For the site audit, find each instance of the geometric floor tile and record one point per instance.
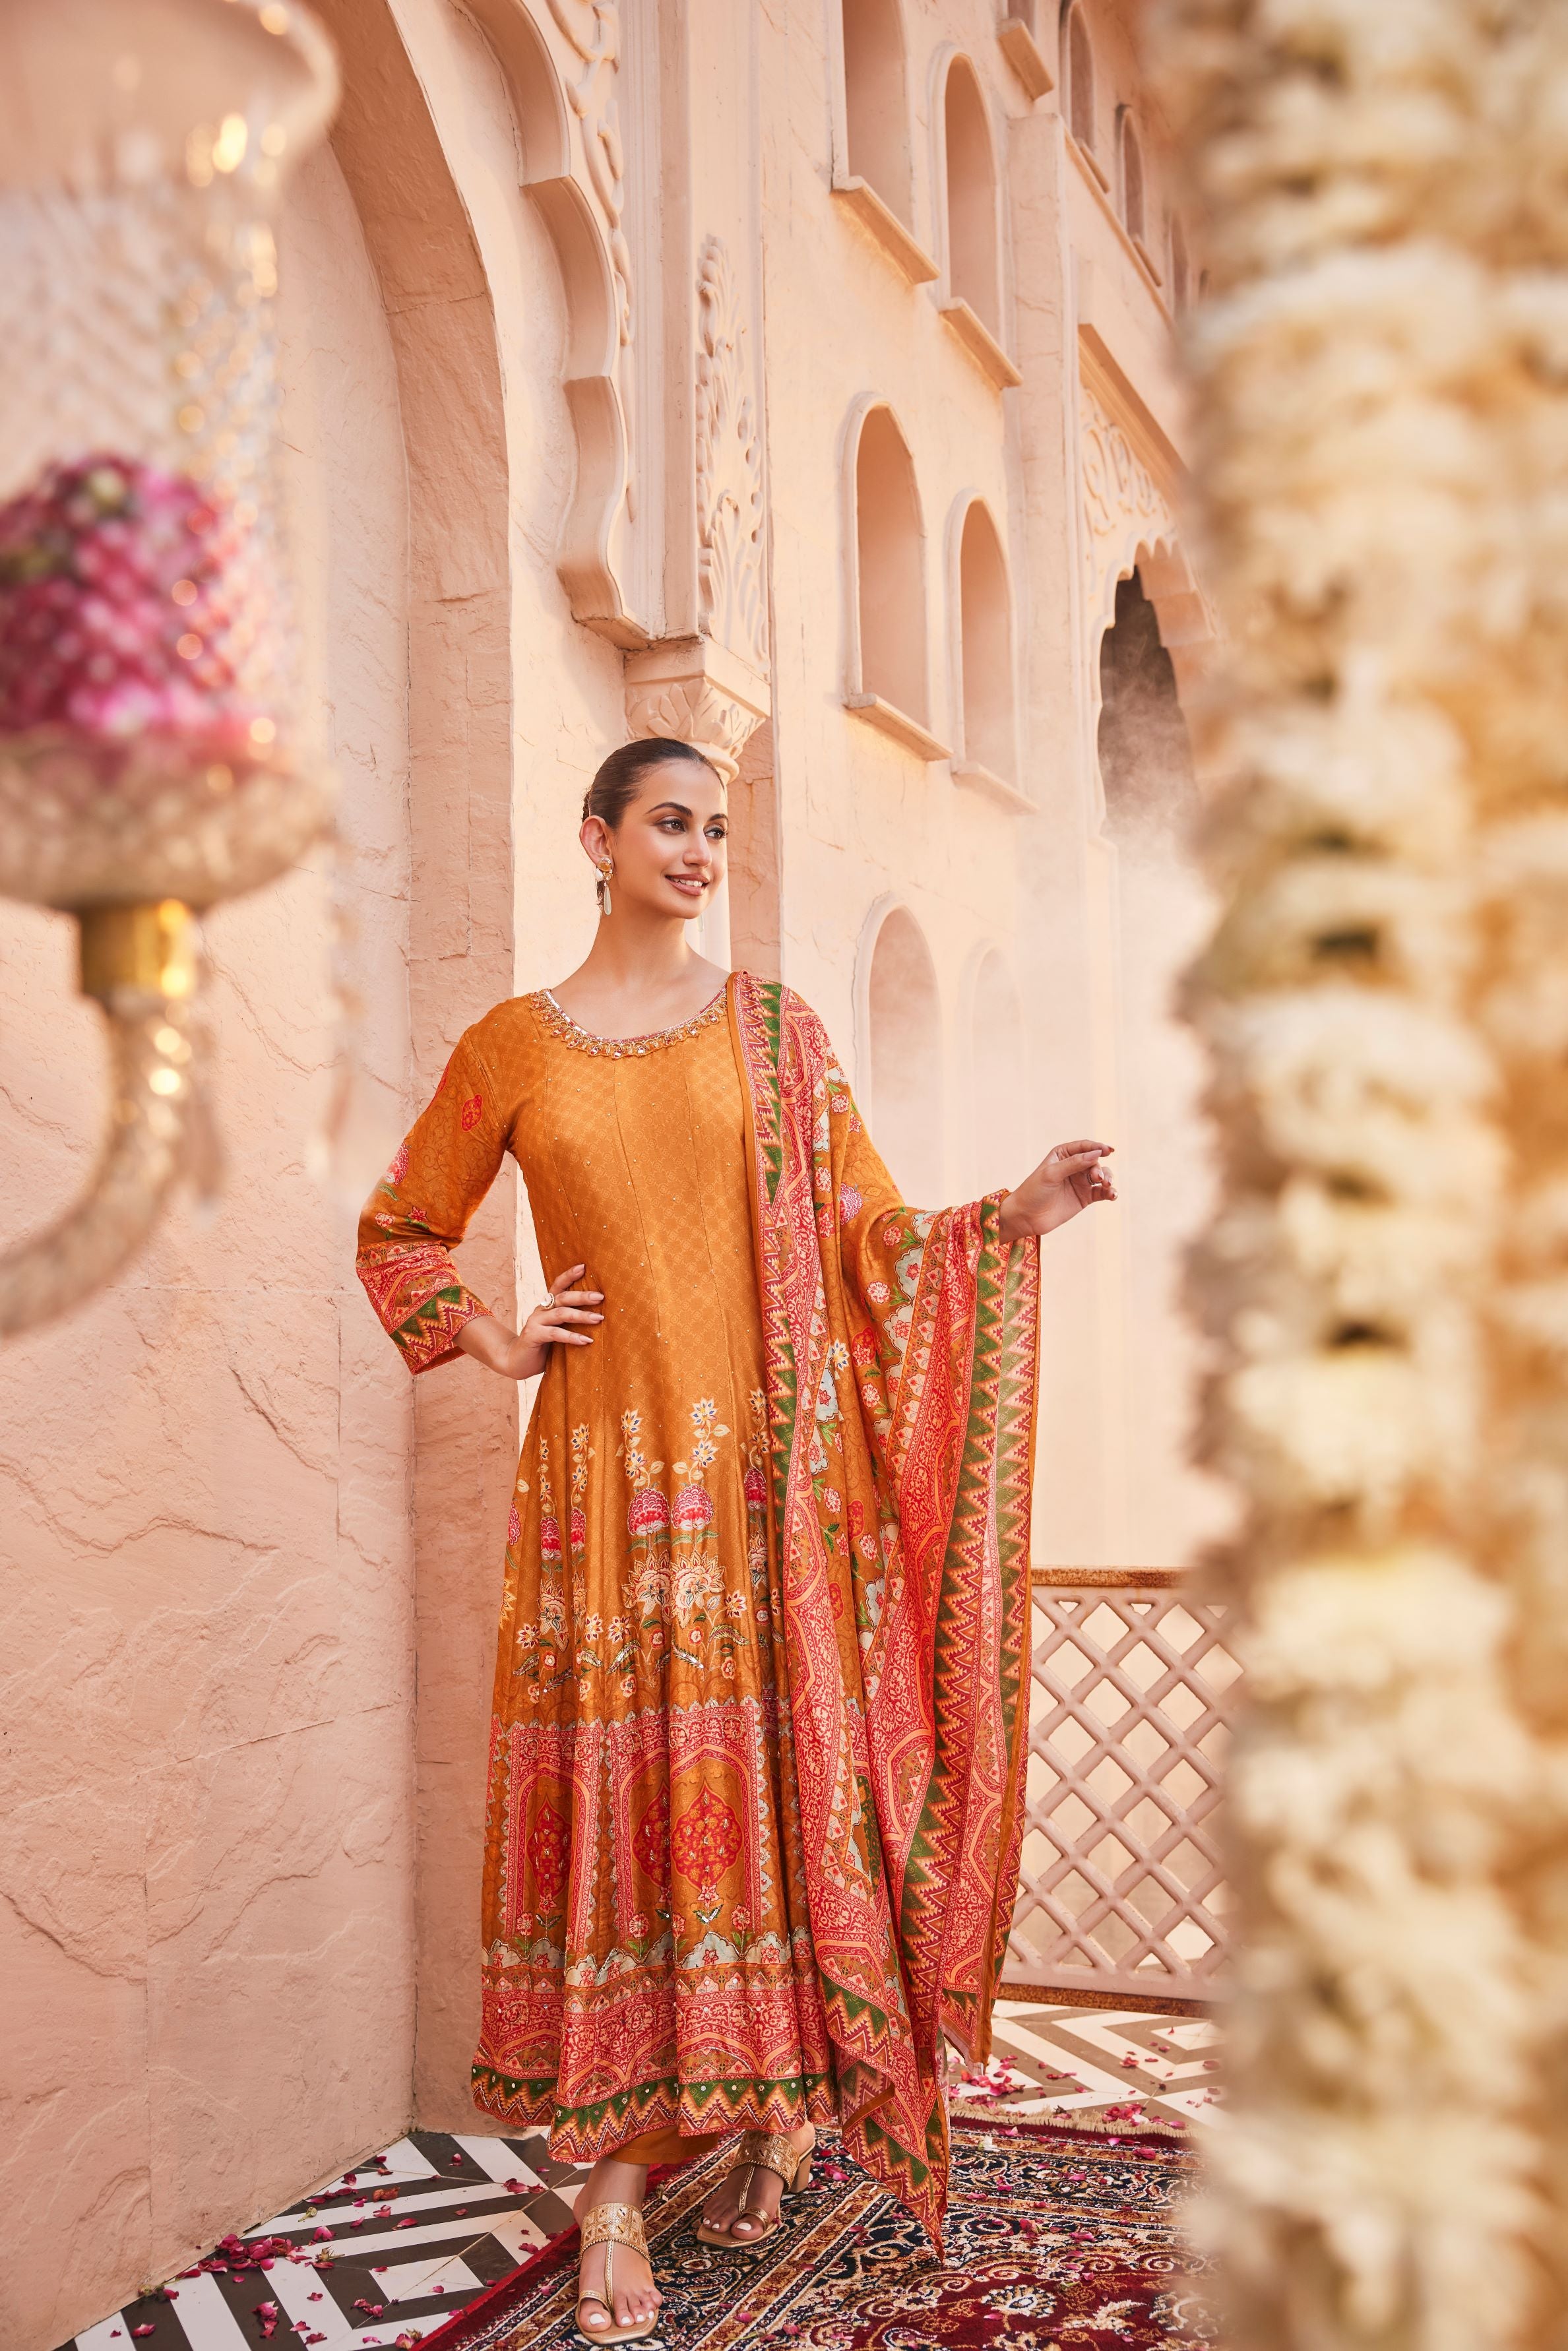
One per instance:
(389, 2253)
(1097, 2065)
(384, 2255)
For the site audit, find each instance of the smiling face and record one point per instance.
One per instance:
(669, 849)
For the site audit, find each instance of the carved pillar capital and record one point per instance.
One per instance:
(696, 691)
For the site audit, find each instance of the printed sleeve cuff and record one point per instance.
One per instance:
(429, 1335)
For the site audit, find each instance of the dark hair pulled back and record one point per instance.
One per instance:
(619, 779)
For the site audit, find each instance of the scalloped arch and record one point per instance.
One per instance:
(1187, 628)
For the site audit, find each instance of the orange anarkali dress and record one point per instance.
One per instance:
(759, 1703)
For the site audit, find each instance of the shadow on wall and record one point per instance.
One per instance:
(1164, 1151)
(1145, 753)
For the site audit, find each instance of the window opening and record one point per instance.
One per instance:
(985, 647)
(1132, 179)
(973, 272)
(891, 551)
(875, 113)
(1078, 67)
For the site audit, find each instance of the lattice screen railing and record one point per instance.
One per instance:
(1121, 1897)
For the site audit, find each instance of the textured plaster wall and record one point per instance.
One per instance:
(207, 1564)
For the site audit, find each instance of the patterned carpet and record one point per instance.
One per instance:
(1056, 2237)
(392, 2252)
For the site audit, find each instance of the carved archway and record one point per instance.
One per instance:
(442, 324)
(562, 78)
(1129, 524)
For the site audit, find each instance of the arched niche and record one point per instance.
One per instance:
(997, 1075)
(885, 535)
(969, 181)
(1132, 178)
(1077, 70)
(877, 102)
(983, 649)
(901, 1059)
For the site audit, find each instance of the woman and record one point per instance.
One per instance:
(760, 1696)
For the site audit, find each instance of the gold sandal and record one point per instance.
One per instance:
(763, 2151)
(610, 2225)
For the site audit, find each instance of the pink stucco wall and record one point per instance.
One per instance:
(207, 1562)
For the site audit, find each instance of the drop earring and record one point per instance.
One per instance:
(602, 886)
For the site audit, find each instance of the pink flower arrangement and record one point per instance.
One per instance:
(121, 619)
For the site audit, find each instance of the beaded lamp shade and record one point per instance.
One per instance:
(155, 755)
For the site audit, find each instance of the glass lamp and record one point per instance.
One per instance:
(155, 756)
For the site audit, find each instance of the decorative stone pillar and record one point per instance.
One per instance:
(695, 690)
(705, 678)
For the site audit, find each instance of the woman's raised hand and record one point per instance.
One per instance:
(523, 1355)
(1070, 1177)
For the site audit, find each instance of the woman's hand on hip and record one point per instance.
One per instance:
(1070, 1177)
(554, 1322)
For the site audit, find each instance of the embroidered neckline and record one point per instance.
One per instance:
(561, 1025)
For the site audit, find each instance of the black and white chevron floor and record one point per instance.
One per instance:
(382, 2256)
(391, 2251)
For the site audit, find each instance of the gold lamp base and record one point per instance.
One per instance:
(148, 949)
(139, 963)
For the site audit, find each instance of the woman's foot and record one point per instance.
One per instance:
(631, 2298)
(760, 2190)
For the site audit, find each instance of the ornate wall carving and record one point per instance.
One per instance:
(693, 709)
(591, 28)
(711, 688)
(560, 60)
(1120, 493)
(1129, 518)
(732, 589)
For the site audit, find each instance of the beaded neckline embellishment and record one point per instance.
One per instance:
(561, 1025)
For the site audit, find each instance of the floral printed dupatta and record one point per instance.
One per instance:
(901, 1355)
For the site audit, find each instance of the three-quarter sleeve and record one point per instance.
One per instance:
(423, 1207)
